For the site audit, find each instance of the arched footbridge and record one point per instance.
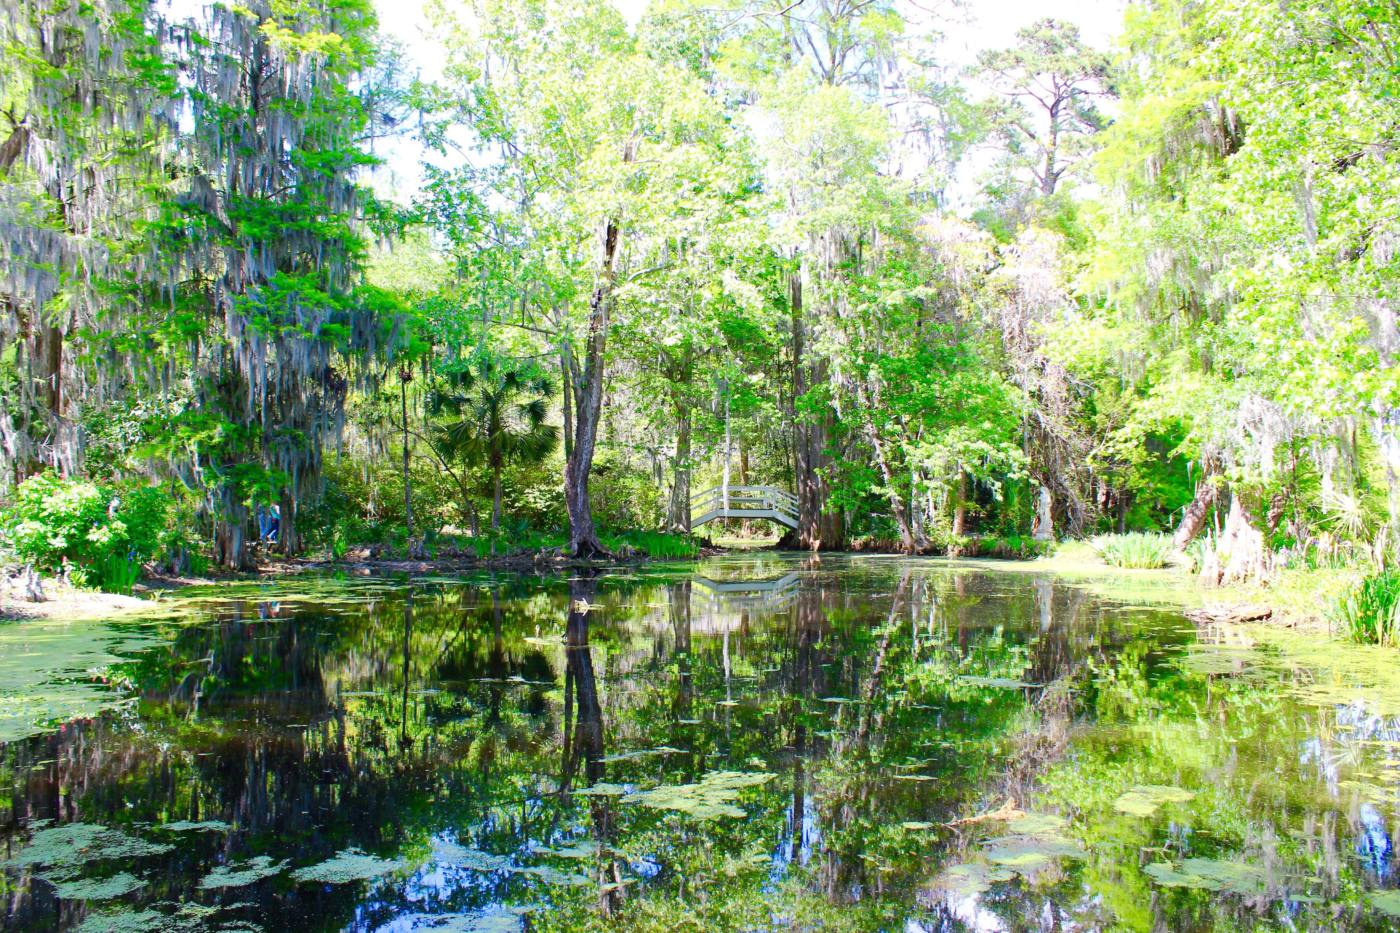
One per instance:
(744, 502)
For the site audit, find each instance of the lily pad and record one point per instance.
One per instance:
(1147, 799)
(347, 866)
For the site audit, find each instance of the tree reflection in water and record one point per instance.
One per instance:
(453, 729)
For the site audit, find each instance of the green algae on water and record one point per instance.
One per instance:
(242, 873)
(1210, 875)
(1025, 853)
(96, 889)
(491, 920)
(349, 865)
(188, 918)
(1147, 799)
(601, 789)
(707, 799)
(970, 878)
(73, 845)
(999, 683)
(1387, 902)
(202, 826)
(461, 856)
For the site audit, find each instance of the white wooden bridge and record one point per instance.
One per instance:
(744, 502)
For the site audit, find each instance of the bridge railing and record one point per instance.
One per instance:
(742, 497)
(744, 502)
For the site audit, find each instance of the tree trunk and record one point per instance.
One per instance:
(816, 528)
(1043, 529)
(230, 540)
(1240, 555)
(588, 407)
(495, 497)
(892, 493)
(1193, 518)
(407, 486)
(288, 537)
(678, 512)
(960, 505)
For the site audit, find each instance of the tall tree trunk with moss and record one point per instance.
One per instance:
(678, 510)
(404, 378)
(960, 504)
(817, 527)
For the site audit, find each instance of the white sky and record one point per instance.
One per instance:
(980, 24)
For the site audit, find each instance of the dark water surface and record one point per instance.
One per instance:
(757, 743)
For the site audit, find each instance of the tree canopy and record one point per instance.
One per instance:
(1058, 289)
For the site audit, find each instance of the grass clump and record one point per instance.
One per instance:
(1134, 551)
(659, 545)
(1369, 612)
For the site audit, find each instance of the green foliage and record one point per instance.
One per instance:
(625, 495)
(104, 533)
(654, 544)
(1136, 550)
(1008, 547)
(1369, 612)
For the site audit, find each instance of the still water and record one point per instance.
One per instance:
(751, 743)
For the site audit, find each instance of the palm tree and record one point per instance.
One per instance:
(495, 410)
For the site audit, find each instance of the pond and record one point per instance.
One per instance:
(757, 742)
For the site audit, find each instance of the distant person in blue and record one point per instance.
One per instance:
(269, 522)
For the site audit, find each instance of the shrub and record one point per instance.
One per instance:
(1369, 611)
(102, 532)
(1135, 551)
